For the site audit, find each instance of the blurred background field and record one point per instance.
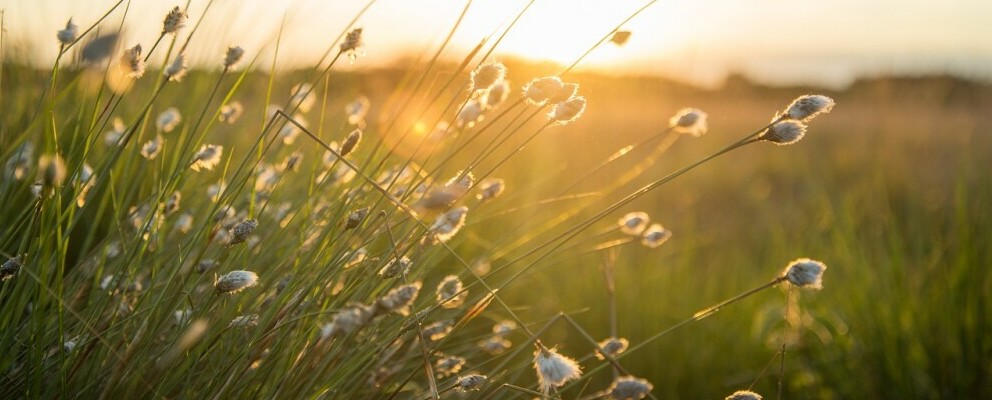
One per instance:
(891, 190)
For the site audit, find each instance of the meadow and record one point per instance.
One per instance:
(115, 286)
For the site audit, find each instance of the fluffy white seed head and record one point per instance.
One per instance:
(438, 330)
(448, 224)
(241, 231)
(655, 236)
(303, 96)
(449, 365)
(450, 293)
(208, 157)
(168, 119)
(230, 112)
(174, 21)
(504, 328)
(539, 90)
(10, 267)
(805, 273)
(496, 95)
(400, 299)
(177, 69)
(634, 223)
(470, 114)
(744, 395)
(236, 281)
(349, 319)
(356, 217)
(172, 203)
(357, 110)
(68, 35)
(690, 121)
(131, 62)
(567, 111)
(51, 167)
(490, 188)
(784, 132)
(804, 108)
(612, 346)
(629, 388)
(151, 148)
(233, 55)
(470, 382)
(19, 163)
(487, 75)
(495, 345)
(395, 267)
(352, 41)
(554, 369)
(350, 142)
(244, 321)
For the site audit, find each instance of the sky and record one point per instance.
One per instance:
(828, 43)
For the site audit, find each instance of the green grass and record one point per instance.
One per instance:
(890, 190)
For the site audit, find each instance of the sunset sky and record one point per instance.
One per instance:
(774, 41)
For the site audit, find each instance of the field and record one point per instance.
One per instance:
(116, 296)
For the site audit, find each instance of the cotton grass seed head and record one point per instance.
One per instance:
(539, 90)
(629, 388)
(174, 21)
(68, 35)
(151, 148)
(612, 346)
(805, 273)
(356, 217)
(487, 75)
(350, 142)
(349, 319)
(470, 382)
(784, 132)
(207, 158)
(495, 345)
(744, 395)
(244, 321)
(352, 42)
(634, 223)
(357, 109)
(232, 56)
(504, 328)
(395, 267)
(804, 108)
(438, 330)
(450, 293)
(470, 114)
(655, 236)
(554, 369)
(241, 231)
(51, 167)
(131, 62)
(177, 69)
(400, 299)
(568, 111)
(496, 95)
(168, 120)
(448, 224)
(236, 281)
(10, 267)
(490, 188)
(449, 365)
(690, 121)
(230, 112)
